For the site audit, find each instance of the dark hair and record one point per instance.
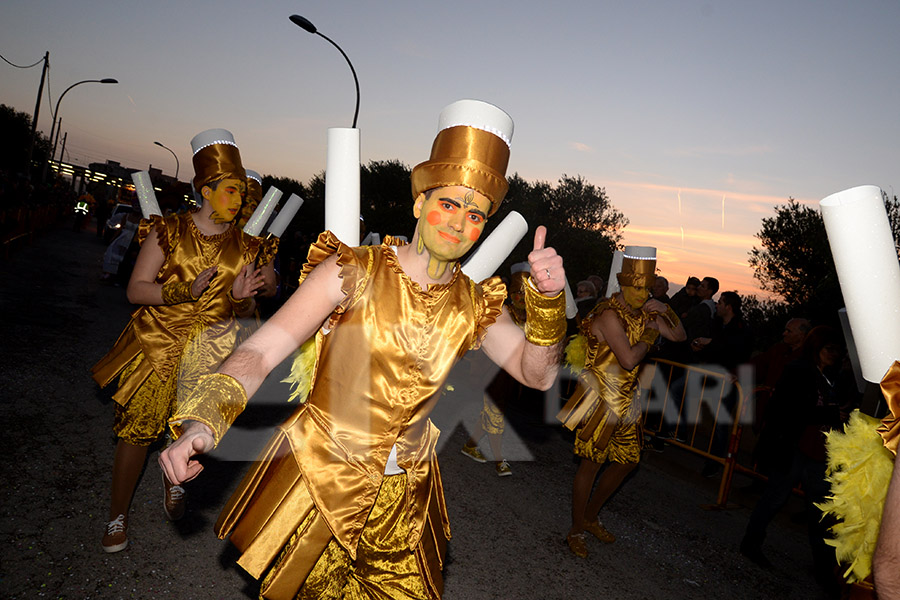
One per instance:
(712, 283)
(818, 338)
(733, 300)
(692, 281)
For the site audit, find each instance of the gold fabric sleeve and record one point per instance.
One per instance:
(890, 425)
(546, 317)
(216, 402)
(267, 251)
(176, 292)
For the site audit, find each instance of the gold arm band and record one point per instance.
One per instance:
(239, 306)
(216, 402)
(649, 336)
(545, 322)
(176, 292)
(671, 318)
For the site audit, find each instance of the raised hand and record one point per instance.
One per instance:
(546, 265)
(247, 282)
(202, 281)
(177, 461)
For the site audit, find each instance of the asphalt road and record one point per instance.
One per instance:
(58, 319)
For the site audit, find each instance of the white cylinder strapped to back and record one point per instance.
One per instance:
(147, 197)
(262, 213)
(285, 215)
(493, 251)
(866, 261)
(342, 184)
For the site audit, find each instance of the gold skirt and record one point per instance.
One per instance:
(142, 420)
(624, 444)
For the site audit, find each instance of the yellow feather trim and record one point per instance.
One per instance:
(302, 370)
(859, 470)
(576, 354)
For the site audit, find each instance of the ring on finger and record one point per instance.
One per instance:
(547, 271)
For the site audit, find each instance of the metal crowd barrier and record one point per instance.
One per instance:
(701, 408)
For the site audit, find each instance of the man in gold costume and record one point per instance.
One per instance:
(619, 331)
(346, 501)
(192, 277)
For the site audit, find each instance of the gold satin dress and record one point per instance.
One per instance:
(165, 349)
(617, 389)
(305, 515)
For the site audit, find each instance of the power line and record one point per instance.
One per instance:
(20, 66)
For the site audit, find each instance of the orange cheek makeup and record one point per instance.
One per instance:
(474, 234)
(433, 217)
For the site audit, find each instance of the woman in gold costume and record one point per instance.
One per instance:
(346, 501)
(193, 276)
(619, 331)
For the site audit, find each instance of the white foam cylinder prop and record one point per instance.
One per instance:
(262, 213)
(571, 307)
(866, 261)
(285, 215)
(612, 284)
(342, 184)
(494, 250)
(147, 197)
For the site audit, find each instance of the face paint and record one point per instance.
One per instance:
(226, 199)
(451, 220)
(635, 297)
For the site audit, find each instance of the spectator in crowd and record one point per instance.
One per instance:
(815, 394)
(599, 285)
(698, 322)
(660, 290)
(768, 368)
(585, 297)
(685, 298)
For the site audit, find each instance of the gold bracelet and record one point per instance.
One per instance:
(671, 318)
(545, 322)
(649, 336)
(239, 306)
(176, 292)
(216, 402)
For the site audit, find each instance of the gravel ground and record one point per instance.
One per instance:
(507, 532)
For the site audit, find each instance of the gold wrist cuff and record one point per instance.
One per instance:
(176, 292)
(649, 336)
(671, 318)
(545, 322)
(216, 402)
(239, 306)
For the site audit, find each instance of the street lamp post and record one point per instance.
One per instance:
(308, 26)
(56, 110)
(173, 154)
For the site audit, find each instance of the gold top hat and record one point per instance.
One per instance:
(638, 266)
(215, 157)
(471, 149)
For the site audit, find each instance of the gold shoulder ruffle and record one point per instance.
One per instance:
(390, 240)
(487, 297)
(159, 224)
(606, 304)
(268, 248)
(890, 426)
(355, 264)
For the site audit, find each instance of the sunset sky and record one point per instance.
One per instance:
(697, 117)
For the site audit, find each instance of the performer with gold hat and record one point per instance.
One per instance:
(619, 331)
(502, 387)
(192, 277)
(346, 500)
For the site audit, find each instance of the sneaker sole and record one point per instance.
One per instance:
(475, 458)
(115, 548)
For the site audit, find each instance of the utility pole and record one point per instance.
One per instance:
(37, 110)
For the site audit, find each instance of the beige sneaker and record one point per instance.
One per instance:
(173, 500)
(599, 531)
(115, 539)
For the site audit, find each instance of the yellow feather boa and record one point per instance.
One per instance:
(302, 370)
(576, 354)
(859, 470)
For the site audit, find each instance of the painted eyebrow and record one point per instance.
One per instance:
(458, 204)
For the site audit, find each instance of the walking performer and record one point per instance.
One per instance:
(346, 500)
(607, 422)
(192, 277)
(502, 388)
